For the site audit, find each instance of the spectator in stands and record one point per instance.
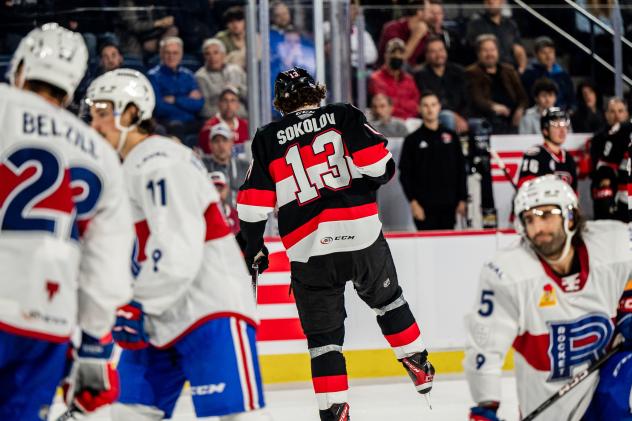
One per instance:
(178, 97)
(111, 57)
(222, 159)
(142, 26)
(228, 106)
(395, 82)
(550, 157)
(434, 17)
(234, 36)
(219, 180)
(432, 170)
(215, 75)
(588, 117)
(281, 18)
(447, 80)
(412, 29)
(616, 114)
(545, 65)
(382, 119)
(544, 92)
(494, 89)
(505, 30)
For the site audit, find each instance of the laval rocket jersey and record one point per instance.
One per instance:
(187, 263)
(310, 165)
(65, 223)
(557, 327)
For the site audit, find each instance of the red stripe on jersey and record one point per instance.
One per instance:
(142, 234)
(280, 330)
(368, 156)
(328, 215)
(405, 337)
(34, 335)
(578, 343)
(274, 294)
(246, 368)
(278, 262)
(60, 199)
(216, 224)
(330, 384)
(83, 226)
(256, 197)
(534, 349)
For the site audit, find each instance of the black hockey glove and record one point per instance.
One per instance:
(260, 259)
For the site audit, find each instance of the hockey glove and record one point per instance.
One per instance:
(129, 328)
(484, 413)
(261, 259)
(93, 381)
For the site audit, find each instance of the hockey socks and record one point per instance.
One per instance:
(399, 327)
(329, 374)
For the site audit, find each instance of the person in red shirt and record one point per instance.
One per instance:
(394, 82)
(413, 30)
(228, 106)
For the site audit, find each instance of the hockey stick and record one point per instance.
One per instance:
(255, 279)
(69, 414)
(502, 166)
(578, 378)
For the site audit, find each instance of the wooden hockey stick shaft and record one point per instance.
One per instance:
(577, 379)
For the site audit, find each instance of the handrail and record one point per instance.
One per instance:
(570, 38)
(597, 21)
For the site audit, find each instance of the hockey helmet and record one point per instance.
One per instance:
(546, 190)
(123, 87)
(290, 81)
(51, 54)
(553, 114)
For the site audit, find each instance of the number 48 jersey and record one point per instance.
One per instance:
(557, 326)
(65, 223)
(321, 168)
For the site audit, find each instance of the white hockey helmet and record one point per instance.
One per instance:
(123, 87)
(546, 190)
(51, 54)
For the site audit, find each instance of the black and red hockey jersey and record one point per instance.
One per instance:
(321, 167)
(540, 160)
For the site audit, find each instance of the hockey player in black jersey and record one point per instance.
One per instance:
(321, 166)
(550, 157)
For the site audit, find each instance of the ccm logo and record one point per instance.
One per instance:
(329, 240)
(207, 389)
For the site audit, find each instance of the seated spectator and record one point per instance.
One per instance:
(280, 17)
(494, 89)
(222, 159)
(550, 157)
(382, 119)
(111, 58)
(394, 82)
(504, 29)
(234, 36)
(178, 98)
(215, 75)
(142, 25)
(219, 181)
(412, 29)
(447, 80)
(608, 154)
(588, 117)
(432, 170)
(545, 65)
(227, 115)
(434, 17)
(544, 92)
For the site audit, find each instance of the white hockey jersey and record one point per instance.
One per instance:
(189, 267)
(557, 327)
(65, 222)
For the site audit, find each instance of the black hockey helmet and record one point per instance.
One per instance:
(552, 114)
(290, 81)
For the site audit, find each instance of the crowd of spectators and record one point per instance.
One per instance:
(194, 53)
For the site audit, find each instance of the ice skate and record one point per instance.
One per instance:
(336, 412)
(420, 371)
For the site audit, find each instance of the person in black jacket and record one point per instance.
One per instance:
(432, 170)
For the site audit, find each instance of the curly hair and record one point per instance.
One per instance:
(302, 97)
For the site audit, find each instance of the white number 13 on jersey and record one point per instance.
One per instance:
(334, 173)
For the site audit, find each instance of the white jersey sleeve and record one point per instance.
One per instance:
(170, 195)
(491, 328)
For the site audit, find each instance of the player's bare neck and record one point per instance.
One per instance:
(47, 97)
(306, 107)
(553, 147)
(133, 139)
(563, 267)
(432, 125)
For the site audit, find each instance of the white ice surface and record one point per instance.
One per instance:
(375, 400)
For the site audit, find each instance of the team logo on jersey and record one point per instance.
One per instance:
(52, 288)
(577, 342)
(571, 283)
(446, 138)
(548, 298)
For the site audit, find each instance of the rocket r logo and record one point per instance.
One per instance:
(577, 342)
(52, 288)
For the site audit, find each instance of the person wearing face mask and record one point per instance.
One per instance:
(396, 83)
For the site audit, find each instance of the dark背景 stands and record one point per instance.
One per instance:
(381, 117)
(412, 29)
(234, 36)
(588, 117)
(544, 92)
(141, 26)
